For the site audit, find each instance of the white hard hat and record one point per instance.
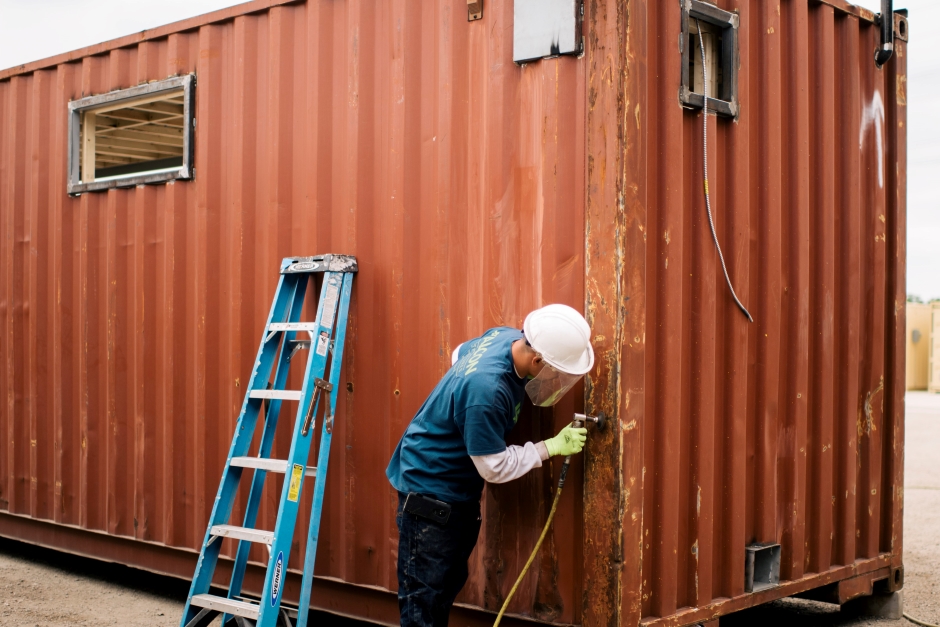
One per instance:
(563, 338)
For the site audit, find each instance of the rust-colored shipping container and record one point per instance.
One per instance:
(472, 190)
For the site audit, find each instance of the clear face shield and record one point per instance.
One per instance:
(549, 386)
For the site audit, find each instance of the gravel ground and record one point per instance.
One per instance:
(49, 589)
(44, 588)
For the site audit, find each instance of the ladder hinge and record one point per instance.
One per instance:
(319, 384)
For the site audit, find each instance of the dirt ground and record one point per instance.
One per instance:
(50, 589)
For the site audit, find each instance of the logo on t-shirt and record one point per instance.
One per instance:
(479, 351)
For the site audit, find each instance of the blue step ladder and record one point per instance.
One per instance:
(279, 345)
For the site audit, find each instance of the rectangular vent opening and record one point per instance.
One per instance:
(761, 567)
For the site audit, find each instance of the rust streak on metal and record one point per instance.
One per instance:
(604, 493)
(867, 427)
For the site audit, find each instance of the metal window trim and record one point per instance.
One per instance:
(727, 105)
(90, 103)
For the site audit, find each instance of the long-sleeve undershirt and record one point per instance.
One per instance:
(512, 463)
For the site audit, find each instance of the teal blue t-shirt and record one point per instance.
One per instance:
(470, 412)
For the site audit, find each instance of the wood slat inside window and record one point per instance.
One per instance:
(131, 135)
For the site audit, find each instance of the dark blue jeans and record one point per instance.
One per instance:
(432, 562)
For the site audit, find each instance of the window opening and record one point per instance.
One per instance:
(720, 35)
(131, 137)
(711, 35)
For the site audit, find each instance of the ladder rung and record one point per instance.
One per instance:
(271, 465)
(229, 606)
(283, 395)
(243, 533)
(293, 326)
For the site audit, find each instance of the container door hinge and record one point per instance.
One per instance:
(900, 25)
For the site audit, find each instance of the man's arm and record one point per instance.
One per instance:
(516, 461)
(512, 463)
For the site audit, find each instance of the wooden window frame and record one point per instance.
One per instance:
(89, 104)
(725, 104)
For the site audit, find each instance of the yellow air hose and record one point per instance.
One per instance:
(579, 420)
(917, 621)
(538, 545)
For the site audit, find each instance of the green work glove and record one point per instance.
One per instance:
(569, 441)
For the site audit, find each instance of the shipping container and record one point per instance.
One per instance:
(473, 189)
(919, 333)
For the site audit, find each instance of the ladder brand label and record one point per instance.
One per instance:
(304, 266)
(276, 580)
(296, 477)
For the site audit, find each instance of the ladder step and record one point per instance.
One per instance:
(283, 395)
(271, 465)
(229, 606)
(293, 326)
(243, 533)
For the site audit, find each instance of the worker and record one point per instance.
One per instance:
(457, 440)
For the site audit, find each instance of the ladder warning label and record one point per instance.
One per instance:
(329, 305)
(322, 344)
(296, 477)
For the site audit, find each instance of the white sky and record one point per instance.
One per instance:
(34, 29)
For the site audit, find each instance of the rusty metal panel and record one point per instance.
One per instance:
(473, 190)
(399, 133)
(788, 430)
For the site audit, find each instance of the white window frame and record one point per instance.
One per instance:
(77, 107)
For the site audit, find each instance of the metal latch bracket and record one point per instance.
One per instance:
(474, 10)
(319, 384)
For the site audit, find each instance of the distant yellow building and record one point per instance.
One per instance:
(919, 326)
(933, 358)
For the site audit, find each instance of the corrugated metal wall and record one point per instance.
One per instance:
(789, 429)
(760, 426)
(394, 131)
